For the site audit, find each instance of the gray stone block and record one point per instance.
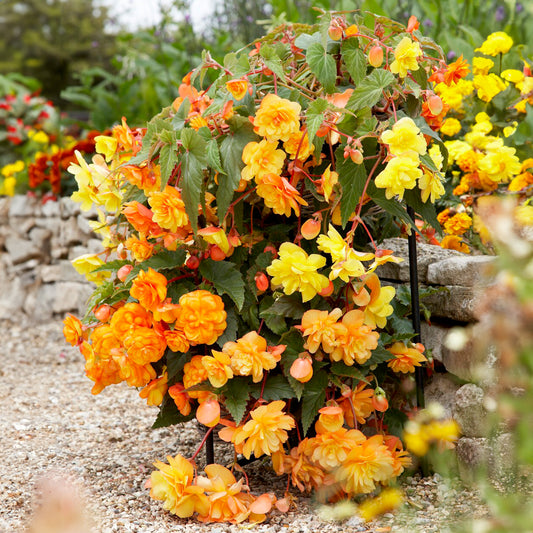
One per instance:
(442, 390)
(455, 303)
(472, 455)
(70, 296)
(21, 250)
(12, 296)
(51, 208)
(62, 271)
(470, 412)
(464, 270)
(69, 208)
(24, 206)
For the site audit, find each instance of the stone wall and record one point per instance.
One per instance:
(37, 242)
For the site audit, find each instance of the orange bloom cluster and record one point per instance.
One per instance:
(349, 340)
(406, 358)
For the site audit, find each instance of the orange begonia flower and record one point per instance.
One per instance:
(279, 194)
(146, 178)
(73, 330)
(237, 88)
(155, 391)
(144, 345)
(181, 398)
(176, 340)
(218, 368)
(104, 341)
(130, 315)
(140, 217)
(321, 329)
(193, 374)
(331, 448)
(149, 288)
(140, 248)
(406, 359)
(168, 209)
(358, 402)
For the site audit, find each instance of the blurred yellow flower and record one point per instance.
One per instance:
(496, 43)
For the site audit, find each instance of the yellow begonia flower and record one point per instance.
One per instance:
(214, 235)
(328, 180)
(489, 86)
(107, 146)
(296, 271)
(400, 173)
(86, 264)
(509, 130)
(456, 149)
(350, 267)
(482, 65)
(513, 75)
(336, 246)
(405, 139)
(496, 43)
(450, 127)
(406, 54)
(277, 119)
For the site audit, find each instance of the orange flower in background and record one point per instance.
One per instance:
(140, 248)
(369, 462)
(144, 345)
(73, 330)
(456, 70)
(155, 391)
(147, 178)
(405, 358)
(458, 224)
(454, 242)
(202, 317)
(126, 141)
(277, 118)
(129, 315)
(194, 373)
(237, 88)
(181, 398)
(279, 194)
(266, 432)
(168, 209)
(150, 288)
(321, 329)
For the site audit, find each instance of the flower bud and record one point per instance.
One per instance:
(261, 281)
(216, 253)
(102, 312)
(208, 412)
(123, 272)
(192, 262)
(435, 104)
(375, 56)
(328, 291)
(335, 31)
(122, 253)
(310, 228)
(302, 369)
(356, 156)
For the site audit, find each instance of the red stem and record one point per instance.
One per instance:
(209, 431)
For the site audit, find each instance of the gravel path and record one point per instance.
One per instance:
(77, 463)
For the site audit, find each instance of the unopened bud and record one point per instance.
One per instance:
(435, 104)
(335, 31)
(310, 229)
(375, 56)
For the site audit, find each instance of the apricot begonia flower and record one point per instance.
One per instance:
(277, 118)
(237, 88)
(298, 146)
(155, 391)
(149, 288)
(377, 307)
(261, 158)
(279, 194)
(320, 329)
(73, 330)
(405, 358)
(218, 368)
(140, 248)
(140, 217)
(358, 402)
(296, 271)
(406, 54)
(168, 209)
(181, 398)
(331, 448)
(176, 340)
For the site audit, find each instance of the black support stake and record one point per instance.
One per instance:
(209, 449)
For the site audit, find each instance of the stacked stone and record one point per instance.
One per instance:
(37, 242)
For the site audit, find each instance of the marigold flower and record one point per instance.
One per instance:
(128, 316)
(450, 127)
(168, 209)
(181, 398)
(482, 65)
(194, 373)
(369, 462)
(202, 317)
(496, 43)
(266, 432)
(405, 139)
(218, 368)
(296, 271)
(321, 329)
(155, 391)
(456, 70)
(454, 242)
(356, 341)
(73, 330)
(237, 88)
(173, 484)
(400, 173)
(279, 194)
(406, 54)
(149, 288)
(261, 158)
(277, 118)
(405, 358)
(458, 224)
(144, 345)
(298, 146)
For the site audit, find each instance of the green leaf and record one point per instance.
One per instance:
(370, 90)
(315, 116)
(236, 397)
(420, 77)
(352, 178)
(175, 363)
(323, 66)
(168, 158)
(231, 150)
(169, 414)
(194, 160)
(178, 120)
(230, 333)
(425, 209)
(340, 369)
(286, 307)
(272, 60)
(213, 156)
(354, 59)
(163, 260)
(276, 388)
(226, 279)
(313, 398)
(392, 206)
(112, 266)
(379, 355)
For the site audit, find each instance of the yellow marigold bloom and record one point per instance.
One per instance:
(296, 271)
(357, 340)
(388, 500)
(405, 139)
(277, 118)
(144, 345)
(12, 168)
(369, 462)
(496, 43)
(500, 163)
(328, 180)
(86, 264)
(149, 288)
(7, 188)
(237, 88)
(454, 242)
(321, 328)
(38, 136)
(481, 65)
(250, 356)
(194, 373)
(202, 317)
(107, 146)
(173, 484)
(450, 127)
(155, 391)
(267, 430)
(298, 147)
(331, 448)
(458, 224)
(168, 209)
(377, 305)
(406, 54)
(262, 158)
(524, 215)
(73, 330)
(218, 368)
(489, 86)
(140, 248)
(405, 358)
(128, 316)
(400, 173)
(279, 194)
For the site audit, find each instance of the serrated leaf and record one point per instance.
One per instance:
(392, 206)
(178, 120)
(304, 40)
(272, 60)
(226, 279)
(370, 90)
(168, 158)
(230, 333)
(340, 369)
(112, 266)
(213, 156)
(276, 388)
(354, 59)
(315, 116)
(286, 307)
(175, 363)
(352, 178)
(163, 260)
(323, 27)
(323, 66)
(313, 398)
(236, 397)
(169, 415)
(379, 355)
